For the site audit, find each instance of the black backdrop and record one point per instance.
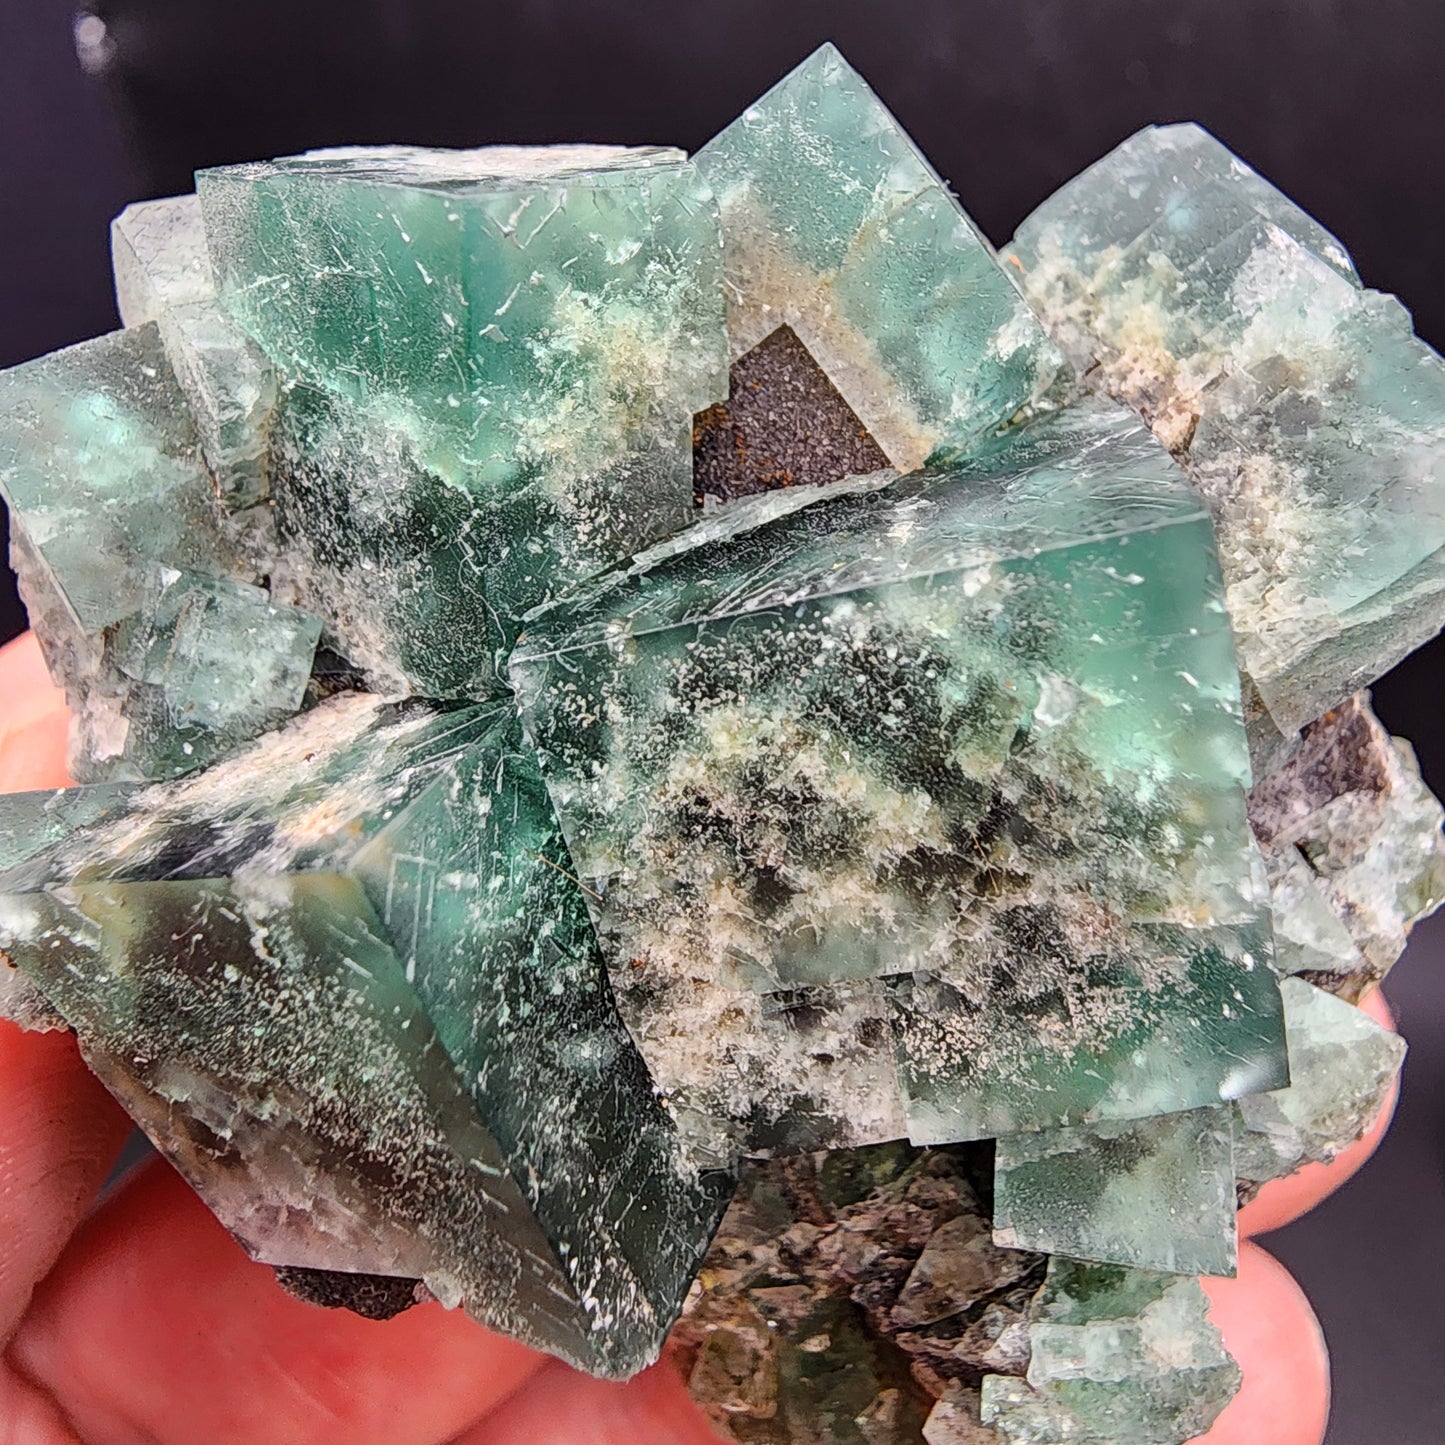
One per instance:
(1339, 101)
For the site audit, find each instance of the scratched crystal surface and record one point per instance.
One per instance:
(491, 362)
(913, 812)
(919, 809)
(1307, 412)
(380, 1049)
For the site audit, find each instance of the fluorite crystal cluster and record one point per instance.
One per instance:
(676, 735)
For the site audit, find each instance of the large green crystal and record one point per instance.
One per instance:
(492, 361)
(390, 977)
(1310, 416)
(920, 809)
(836, 226)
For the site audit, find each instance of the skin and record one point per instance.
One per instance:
(138, 1321)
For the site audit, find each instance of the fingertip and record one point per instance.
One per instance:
(33, 729)
(1270, 1329)
(559, 1406)
(60, 1132)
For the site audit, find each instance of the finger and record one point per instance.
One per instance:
(1272, 1332)
(156, 1328)
(60, 1133)
(561, 1407)
(32, 731)
(1282, 1201)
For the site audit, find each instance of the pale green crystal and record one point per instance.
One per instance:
(835, 224)
(829, 781)
(137, 581)
(1152, 1193)
(1118, 1357)
(163, 274)
(1309, 415)
(1342, 1063)
(388, 1045)
(492, 359)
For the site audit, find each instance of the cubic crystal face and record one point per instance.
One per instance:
(1308, 413)
(814, 778)
(380, 892)
(506, 346)
(835, 225)
(1153, 1193)
(163, 274)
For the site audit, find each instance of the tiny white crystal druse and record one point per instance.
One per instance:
(722, 751)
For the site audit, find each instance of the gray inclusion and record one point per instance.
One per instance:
(379, 890)
(1152, 1193)
(1353, 845)
(1117, 1357)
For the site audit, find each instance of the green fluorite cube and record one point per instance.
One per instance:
(163, 274)
(919, 808)
(137, 580)
(1149, 1193)
(1118, 1357)
(836, 225)
(1342, 1064)
(388, 1045)
(492, 359)
(1311, 417)
(99, 465)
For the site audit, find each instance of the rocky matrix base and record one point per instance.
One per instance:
(674, 736)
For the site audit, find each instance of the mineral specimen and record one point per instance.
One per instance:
(905, 811)
(897, 833)
(1309, 415)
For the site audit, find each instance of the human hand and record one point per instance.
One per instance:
(139, 1321)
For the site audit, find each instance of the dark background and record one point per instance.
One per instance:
(1341, 102)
